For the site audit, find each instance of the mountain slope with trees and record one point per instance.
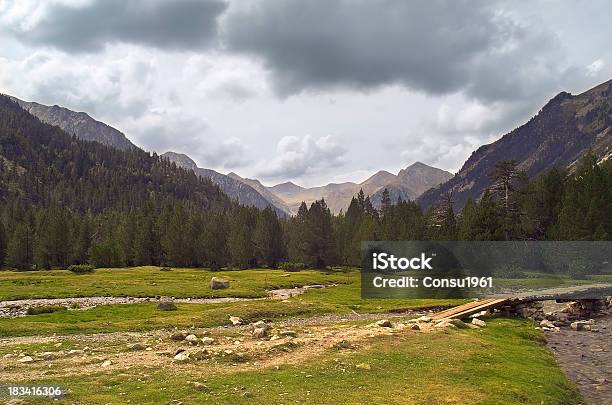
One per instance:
(564, 129)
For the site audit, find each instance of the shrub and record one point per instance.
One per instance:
(81, 268)
(45, 309)
(290, 266)
(579, 269)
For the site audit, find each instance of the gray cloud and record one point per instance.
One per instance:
(438, 47)
(170, 24)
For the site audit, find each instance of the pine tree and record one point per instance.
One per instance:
(269, 239)
(19, 252)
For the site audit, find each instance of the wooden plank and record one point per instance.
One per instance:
(470, 308)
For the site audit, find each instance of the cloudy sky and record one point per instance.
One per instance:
(306, 90)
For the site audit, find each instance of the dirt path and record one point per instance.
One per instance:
(586, 358)
(233, 348)
(20, 307)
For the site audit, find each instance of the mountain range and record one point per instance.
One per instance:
(562, 131)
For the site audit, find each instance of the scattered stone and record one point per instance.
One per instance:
(207, 341)
(384, 323)
(192, 339)
(444, 323)
(415, 327)
(580, 325)
(236, 321)
(260, 333)
(275, 337)
(459, 323)
(26, 359)
(424, 318)
(363, 366)
(137, 346)
(49, 355)
(107, 363)
(166, 305)
(200, 386)
(178, 336)
(261, 324)
(75, 352)
(288, 333)
(545, 323)
(478, 322)
(217, 283)
(200, 355)
(182, 356)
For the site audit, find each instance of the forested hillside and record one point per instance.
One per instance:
(66, 201)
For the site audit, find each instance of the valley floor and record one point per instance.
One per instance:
(322, 346)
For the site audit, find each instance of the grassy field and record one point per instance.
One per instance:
(504, 363)
(150, 282)
(330, 361)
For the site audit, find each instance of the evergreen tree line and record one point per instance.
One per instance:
(555, 206)
(66, 201)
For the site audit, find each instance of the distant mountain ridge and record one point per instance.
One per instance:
(77, 123)
(562, 131)
(234, 188)
(408, 184)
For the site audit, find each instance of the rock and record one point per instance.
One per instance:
(363, 366)
(444, 323)
(207, 340)
(275, 337)
(261, 324)
(482, 314)
(545, 323)
(26, 359)
(8, 356)
(182, 356)
(192, 339)
(459, 323)
(236, 321)
(385, 323)
(260, 333)
(137, 346)
(580, 325)
(217, 283)
(478, 322)
(106, 363)
(288, 333)
(415, 327)
(424, 318)
(200, 355)
(178, 336)
(166, 305)
(49, 355)
(201, 387)
(75, 352)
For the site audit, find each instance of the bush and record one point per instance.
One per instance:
(81, 268)
(45, 309)
(289, 266)
(165, 269)
(579, 269)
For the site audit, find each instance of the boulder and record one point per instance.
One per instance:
(444, 323)
(236, 321)
(260, 333)
(207, 341)
(545, 323)
(49, 355)
(192, 339)
(415, 327)
(424, 318)
(166, 305)
(182, 356)
(459, 323)
(288, 333)
(26, 359)
(478, 322)
(136, 346)
(200, 355)
(385, 323)
(217, 283)
(107, 363)
(581, 325)
(261, 324)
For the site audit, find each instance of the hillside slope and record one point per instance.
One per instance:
(562, 131)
